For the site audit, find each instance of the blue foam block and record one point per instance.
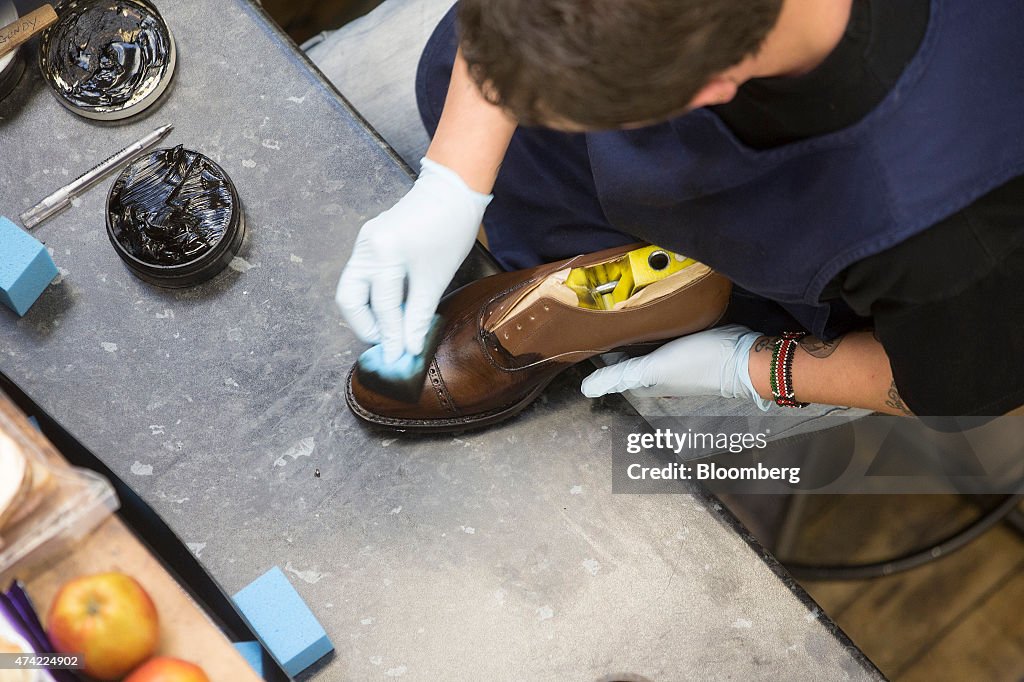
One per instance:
(252, 652)
(26, 268)
(283, 622)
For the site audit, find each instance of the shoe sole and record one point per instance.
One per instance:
(450, 424)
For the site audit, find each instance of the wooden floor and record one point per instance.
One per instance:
(958, 618)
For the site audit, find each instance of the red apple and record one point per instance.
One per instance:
(109, 619)
(167, 669)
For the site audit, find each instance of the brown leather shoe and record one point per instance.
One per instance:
(507, 336)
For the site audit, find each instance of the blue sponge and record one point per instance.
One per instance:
(26, 268)
(283, 622)
(403, 379)
(252, 652)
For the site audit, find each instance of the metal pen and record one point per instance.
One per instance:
(61, 199)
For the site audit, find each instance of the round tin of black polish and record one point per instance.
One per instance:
(107, 59)
(174, 218)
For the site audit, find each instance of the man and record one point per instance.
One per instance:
(856, 167)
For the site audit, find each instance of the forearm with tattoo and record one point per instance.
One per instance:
(856, 375)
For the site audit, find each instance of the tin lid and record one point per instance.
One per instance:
(108, 59)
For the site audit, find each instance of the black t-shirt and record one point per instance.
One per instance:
(944, 303)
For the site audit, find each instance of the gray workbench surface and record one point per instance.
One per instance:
(496, 555)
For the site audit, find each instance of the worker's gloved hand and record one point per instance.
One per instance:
(421, 240)
(712, 362)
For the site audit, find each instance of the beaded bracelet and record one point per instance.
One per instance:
(782, 369)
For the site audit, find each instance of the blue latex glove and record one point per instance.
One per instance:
(422, 240)
(712, 362)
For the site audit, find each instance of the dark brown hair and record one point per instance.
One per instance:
(606, 63)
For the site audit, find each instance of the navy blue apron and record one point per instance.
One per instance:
(781, 222)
